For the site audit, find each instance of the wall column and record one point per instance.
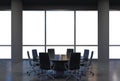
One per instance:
(103, 31)
(103, 40)
(16, 6)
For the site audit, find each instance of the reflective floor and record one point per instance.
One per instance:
(18, 72)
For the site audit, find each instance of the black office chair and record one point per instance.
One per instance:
(51, 53)
(69, 51)
(33, 66)
(87, 66)
(84, 61)
(85, 55)
(35, 55)
(74, 66)
(45, 66)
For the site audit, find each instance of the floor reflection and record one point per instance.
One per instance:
(17, 72)
(102, 72)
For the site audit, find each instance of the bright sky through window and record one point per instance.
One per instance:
(5, 34)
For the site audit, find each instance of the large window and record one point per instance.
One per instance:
(60, 30)
(5, 34)
(33, 31)
(33, 27)
(60, 27)
(87, 31)
(86, 28)
(114, 33)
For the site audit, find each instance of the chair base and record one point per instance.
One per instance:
(74, 76)
(47, 75)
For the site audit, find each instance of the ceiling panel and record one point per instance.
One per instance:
(114, 4)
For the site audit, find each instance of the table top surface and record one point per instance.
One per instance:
(60, 58)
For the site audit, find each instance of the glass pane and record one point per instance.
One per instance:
(91, 48)
(33, 27)
(5, 27)
(60, 27)
(114, 52)
(5, 52)
(86, 28)
(29, 48)
(60, 49)
(114, 27)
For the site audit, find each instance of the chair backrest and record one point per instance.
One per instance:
(51, 53)
(86, 54)
(35, 55)
(44, 61)
(69, 51)
(90, 61)
(74, 62)
(30, 62)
